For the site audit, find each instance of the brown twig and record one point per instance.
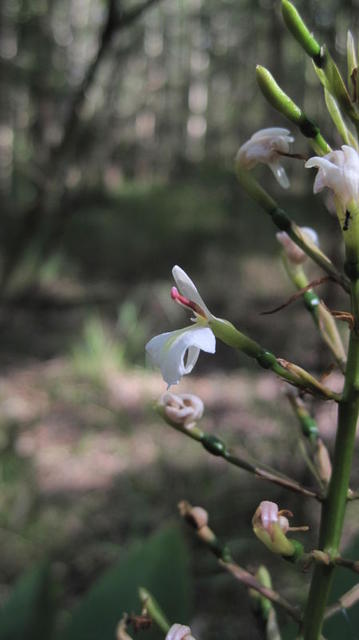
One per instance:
(198, 519)
(349, 599)
(218, 447)
(300, 293)
(250, 582)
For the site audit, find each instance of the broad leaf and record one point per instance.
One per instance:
(160, 565)
(29, 612)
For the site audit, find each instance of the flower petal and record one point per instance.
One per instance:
(188, 289)
(338, 171)
(280, 174)
(169, 350)
(271, 132)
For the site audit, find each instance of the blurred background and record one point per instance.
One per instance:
(119, 123)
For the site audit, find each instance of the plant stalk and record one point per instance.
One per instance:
(334, 505)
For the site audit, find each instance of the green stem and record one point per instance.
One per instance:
(154, 610)
(333, 510)
(284, 223)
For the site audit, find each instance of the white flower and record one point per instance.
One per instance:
(294, 253)
(182, 408)
(339, 171)
(179, 632)
(265, 146)
(176, 352)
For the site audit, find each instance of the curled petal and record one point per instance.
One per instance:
(184, 408)
(176, 352)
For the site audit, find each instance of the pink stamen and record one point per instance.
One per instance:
(185, 302)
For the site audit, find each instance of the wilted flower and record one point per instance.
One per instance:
(338, 171)
(294, 253)
(266, 146)
(179, 632)
(182, 408)
(176, 352)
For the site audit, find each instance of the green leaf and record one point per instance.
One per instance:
(29, 612)
(334, 83)
(159, 565)
(338, 120)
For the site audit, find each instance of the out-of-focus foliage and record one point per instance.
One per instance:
(160, 565)
(89, 105)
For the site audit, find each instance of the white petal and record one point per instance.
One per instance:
(311, 233)
(188, 289)
(338, 171)
(270, 132)
(319, 182)
(269, 513)
(280, 174)
(168, 351)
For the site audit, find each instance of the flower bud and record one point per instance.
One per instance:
(271, 525)
(322, 460)
(294, 253)
(299, 30)
(196, 516)
(183, 408)
(179, 632)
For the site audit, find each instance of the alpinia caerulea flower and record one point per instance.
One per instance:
(339, 171)
(294, 253)
(265, 146)
(176, 352)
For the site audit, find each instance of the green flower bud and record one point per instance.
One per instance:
(299, 30)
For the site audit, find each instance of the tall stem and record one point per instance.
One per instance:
(333, 509)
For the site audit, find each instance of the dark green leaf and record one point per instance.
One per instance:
(344, 625)
(29, 612)
(160, 565)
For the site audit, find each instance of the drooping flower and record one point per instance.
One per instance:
(266, 146)
(183, 408)
(294, 253)
(338, 171)
(179, 632)
(176, 352)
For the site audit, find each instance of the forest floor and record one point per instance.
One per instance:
(87, 467)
